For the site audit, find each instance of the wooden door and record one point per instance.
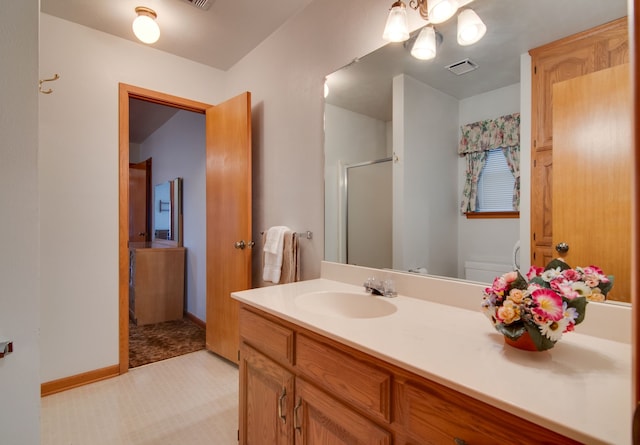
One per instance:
(321, 420)
(592, 50)
(139, 190)
(592, 160)
(228, 134)
(266, 401)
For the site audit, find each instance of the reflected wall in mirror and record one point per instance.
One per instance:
(388, 104)
(167, 211)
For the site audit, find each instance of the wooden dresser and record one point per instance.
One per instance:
(156, 284)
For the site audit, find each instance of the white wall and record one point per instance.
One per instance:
(19, 266)
(78, 166)
(177, 150)
(487, 240)
(288, 111)
(79, 155)
(349, 138)
(425, 140)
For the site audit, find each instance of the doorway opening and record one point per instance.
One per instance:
(129, 95)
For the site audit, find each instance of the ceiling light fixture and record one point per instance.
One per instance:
(145, 26)
(397, 27)
(424, 48)
(470, 27)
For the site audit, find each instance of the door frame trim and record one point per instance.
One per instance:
(126, 92)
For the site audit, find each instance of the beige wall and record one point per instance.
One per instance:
(78, 173)
(78, 155)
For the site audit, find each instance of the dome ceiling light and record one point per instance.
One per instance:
(145, 26)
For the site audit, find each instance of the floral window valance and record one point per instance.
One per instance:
(480, 137)
(490, 134)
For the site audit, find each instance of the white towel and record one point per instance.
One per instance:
(273, 252)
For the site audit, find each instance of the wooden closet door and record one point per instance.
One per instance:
(592, 158)
(592, 50)
(228, 133)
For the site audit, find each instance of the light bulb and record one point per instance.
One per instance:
(397, 27)
(441, 10)
(145, 26)
(470, 28)
(424, 48)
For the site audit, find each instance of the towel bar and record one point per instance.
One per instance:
(308, 234)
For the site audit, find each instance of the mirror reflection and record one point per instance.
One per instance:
(167, 211)
(390, 105)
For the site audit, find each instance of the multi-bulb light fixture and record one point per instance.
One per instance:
(470, 27)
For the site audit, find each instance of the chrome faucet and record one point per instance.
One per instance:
(384, 288)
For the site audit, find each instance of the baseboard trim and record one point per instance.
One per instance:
(195, 319)
(55, 386)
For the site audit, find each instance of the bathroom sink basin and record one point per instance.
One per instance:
(345, 304)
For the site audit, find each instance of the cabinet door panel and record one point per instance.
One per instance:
(541, 205)
(357, 383)
(321, 420)
(266, 399)
(433, 415)
(266, 336)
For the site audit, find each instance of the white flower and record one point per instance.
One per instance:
(581, 288)
(553, 330)
(550, 274)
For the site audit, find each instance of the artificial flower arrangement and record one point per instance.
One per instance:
(547, 303)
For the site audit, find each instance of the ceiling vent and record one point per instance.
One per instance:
(461, 67)
(201, 4)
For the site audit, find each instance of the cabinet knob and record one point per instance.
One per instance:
(458, 441)
(562, 247)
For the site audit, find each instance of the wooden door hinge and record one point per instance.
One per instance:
(534, 236)
(238, 435)
(535, 69)
(238, 354)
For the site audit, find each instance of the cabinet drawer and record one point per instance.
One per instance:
(434, 414)
(358, 383)
(270, 338)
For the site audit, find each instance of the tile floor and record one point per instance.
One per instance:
(186, 400)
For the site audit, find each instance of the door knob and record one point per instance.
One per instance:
(241, 244)
(562, 247)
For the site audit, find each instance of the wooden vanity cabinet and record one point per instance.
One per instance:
(301, 388)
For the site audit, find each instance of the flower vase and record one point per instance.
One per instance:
(523, 342)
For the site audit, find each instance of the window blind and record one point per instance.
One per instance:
(495, 185)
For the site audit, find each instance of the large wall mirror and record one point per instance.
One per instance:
(167, 211)
(389, 105)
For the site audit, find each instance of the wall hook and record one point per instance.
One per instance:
(49, 91)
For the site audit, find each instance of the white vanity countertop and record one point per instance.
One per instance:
(581, 388)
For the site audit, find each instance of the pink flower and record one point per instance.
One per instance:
(549, 304)
(571, 275)
(510, 277)
(534, 271)
(566, 290)
(499, 285)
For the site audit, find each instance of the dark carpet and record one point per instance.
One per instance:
(160, 341)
